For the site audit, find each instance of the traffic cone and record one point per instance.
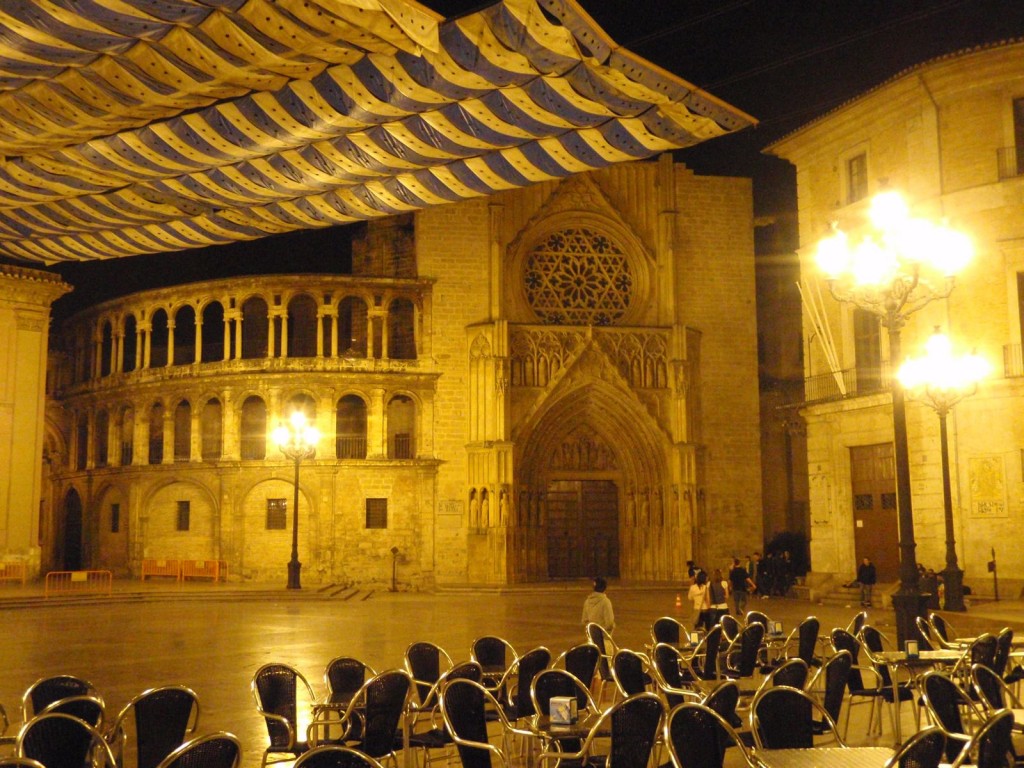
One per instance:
(679, 601)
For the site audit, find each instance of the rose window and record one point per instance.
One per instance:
(578, 277)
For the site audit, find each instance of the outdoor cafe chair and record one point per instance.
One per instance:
(757, 617)
(550, 683)
(213, 750)
(892, 691)
(494, 655)
(59, 740)
(344, 676)
(724, 699)
(730, 627)
(702, 665)
(927, 634)
(47, 690)
(277, 688)
(742, 654)
(991, 746)
(426, 662)
(835, 672)
(1004, 645)
(335, 756)
(91, 709)
(667, 630)
(924, 749)
(667, 673)
(698, 736)
(947, 706)
(464, 707)
(13, 761)
(791, 672)
(600, 637)
(628, 730)
(944, 631)
(436, 737)
(372, 722)
(782, 718)
(580, 660)
(155, 722)
(630, 672)
(859, 691)
(992, 691)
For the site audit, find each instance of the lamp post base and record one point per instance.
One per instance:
(953, 578)
(908, 606)
(294, 570)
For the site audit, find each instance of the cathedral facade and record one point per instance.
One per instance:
(554, 382)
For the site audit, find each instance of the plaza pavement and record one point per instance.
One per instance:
(212, 637)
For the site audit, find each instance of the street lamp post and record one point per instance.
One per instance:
(897, 266)
(297, 440)
(941, 380)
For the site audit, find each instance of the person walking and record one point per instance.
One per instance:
(718, 596)
(701, 600)
(741, 585)
(867, 577)
(597, 607)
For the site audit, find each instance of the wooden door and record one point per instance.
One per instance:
(875, 521)
(583, 528)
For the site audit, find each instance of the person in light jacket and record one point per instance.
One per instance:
(597, 607)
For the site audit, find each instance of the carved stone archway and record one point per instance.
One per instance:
(594, 429)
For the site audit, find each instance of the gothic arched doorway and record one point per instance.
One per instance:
(71, 541)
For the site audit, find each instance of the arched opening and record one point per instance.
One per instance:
(212, 427)
(253, 442)
(254, 328)
(101, 437)
(70, 544)
(350, 427)
(107, 350)
(158, 339)
(213, 333)
(353, 328)
(81, 442)
(156, 433)
(127, 436)
(185, 335)
(130, 344)
(401, 336)
(302, 327)
(401, 428)
(183, 431)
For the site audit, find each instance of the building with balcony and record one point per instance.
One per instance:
(553, 382)
(949, 134)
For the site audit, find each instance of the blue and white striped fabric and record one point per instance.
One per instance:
(140, 126)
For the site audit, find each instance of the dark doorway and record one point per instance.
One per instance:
(583, 528)
(72, 539)
(875, 522)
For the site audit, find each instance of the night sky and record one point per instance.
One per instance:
(784, 62)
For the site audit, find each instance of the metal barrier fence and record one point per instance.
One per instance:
(180, 570)
(79, 583)
(14, 571)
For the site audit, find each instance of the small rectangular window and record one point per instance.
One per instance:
(115, 518)
(856, 178)
(184, 510)
(376, 513)
(277, 514)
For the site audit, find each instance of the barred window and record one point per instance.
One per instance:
(184, 511)
(277, 514)
(376, 513)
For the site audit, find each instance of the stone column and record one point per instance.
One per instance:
(25, 299)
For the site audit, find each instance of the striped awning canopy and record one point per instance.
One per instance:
(142, 126)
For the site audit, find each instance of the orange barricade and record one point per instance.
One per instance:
(153, 567)
(14, 571)
(79, 583)
(204, 569)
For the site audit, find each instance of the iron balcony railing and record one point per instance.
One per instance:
(1010, 161)
(1013, 366)
(856, 381)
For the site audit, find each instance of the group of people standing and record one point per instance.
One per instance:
(772, 575)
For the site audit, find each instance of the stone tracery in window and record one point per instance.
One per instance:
(578, 276)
